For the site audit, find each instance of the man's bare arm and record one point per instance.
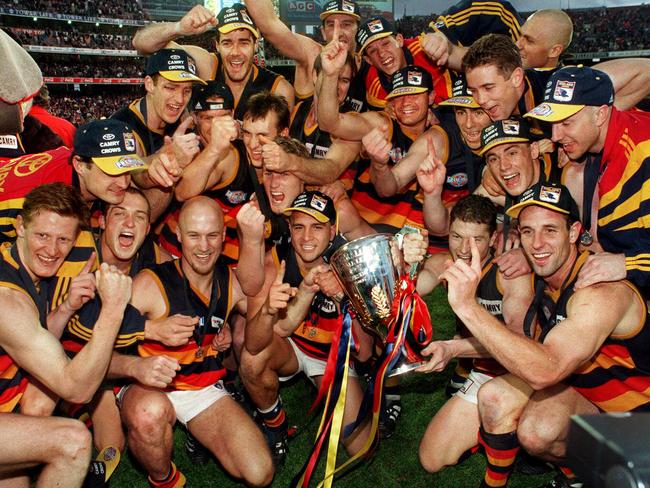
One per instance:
(631, 79)
(301, 49)
(38, 352)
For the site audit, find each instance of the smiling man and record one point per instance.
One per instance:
(236, 44)
(293, 331)
(196, 397)
(585, 350)
(579, 105)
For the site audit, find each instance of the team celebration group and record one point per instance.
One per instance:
(168, 266)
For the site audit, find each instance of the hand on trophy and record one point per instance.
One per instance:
(414, 247)
(280, 293)
(439, 353)
(462, 279)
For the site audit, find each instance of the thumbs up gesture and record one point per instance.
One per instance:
(185, 146)
(378, 147)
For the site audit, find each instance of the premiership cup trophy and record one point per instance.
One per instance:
(369, 270)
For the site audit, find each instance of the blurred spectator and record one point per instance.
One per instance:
(84, 108)
(95, 68)
(115, 9)
(49, 37)
(60, 126)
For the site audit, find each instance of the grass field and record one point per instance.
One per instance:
(395, 463)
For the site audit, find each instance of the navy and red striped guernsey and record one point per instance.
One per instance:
(199, 366)
(617, 377)
(314, 335)
(230, 195)
(13, 380)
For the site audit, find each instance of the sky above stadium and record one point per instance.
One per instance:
(426, 7)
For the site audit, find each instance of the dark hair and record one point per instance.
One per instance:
(58, 198)
(132, 190)
(349, 60)
(292, 146)
(260, 104)
(42, 98)
(496, 49)
(475, 209)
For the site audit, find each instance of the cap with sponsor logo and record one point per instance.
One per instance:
(347, 7)
(203, 97)
(372, 30)
(173, 65)
(410, 80)
(553, 196)
(316, 204)
(514, 129)
(571, 89)
(110, 144)
(236, 17)
(460, 94)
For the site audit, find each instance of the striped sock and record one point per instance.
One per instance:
(274, 417)
(174, 479)
(501, 452)
(468, 454)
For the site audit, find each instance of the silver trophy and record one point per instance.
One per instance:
(369, 269)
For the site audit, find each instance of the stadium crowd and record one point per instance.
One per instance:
(194, 242)
(49, 37)
(120, 9)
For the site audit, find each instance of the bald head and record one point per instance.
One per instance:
(199, 208)
(545, 36)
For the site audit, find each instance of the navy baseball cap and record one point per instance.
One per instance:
(570, 90)
(173, 65)
(236, 17)
(553, 196)
(214, 89)
(410, 80)
(347, 7)
(110, 144)
(372, 30)
(514, 129)
(315, 204)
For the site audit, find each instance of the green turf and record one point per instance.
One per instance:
(395, 463)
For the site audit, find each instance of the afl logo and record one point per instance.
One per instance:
(108, 137)
(458, 180)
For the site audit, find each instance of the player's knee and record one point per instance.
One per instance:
(537, 435)
(496, 405)
(75, 446)
(150, 418)
(259, 473)
(430, 458)
(38, 407)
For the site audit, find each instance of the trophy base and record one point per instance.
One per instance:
(404, 368)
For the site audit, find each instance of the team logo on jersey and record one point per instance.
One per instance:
(549, 194)
(375, 26)
(236, 197)
(511, 127)
(458, 180)
(414, 78)
(564, 90)
(129, 141)
(328, 306)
